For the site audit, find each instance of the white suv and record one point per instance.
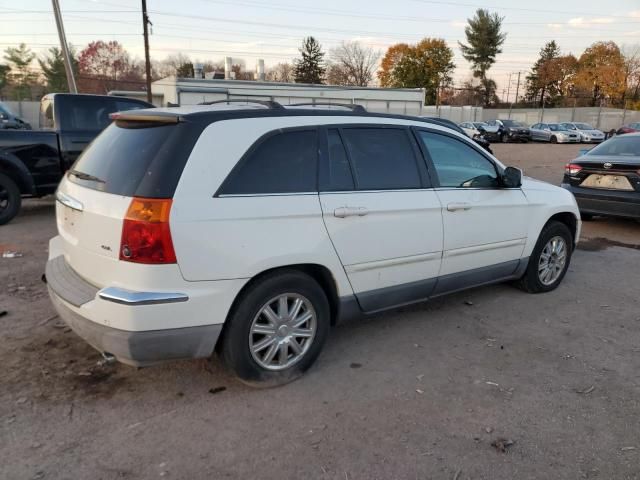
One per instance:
(251, 229)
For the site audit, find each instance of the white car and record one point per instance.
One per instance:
(251, 229)
(588, 134)
(470, 129)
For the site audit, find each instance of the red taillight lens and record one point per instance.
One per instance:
(146, 237)
(572, 169)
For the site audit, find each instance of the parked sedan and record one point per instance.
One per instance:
(470, 129)
(587, 133)
(606, 180)
(629, 128)
(554, 133)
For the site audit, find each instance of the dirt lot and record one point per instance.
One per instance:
(420, 393)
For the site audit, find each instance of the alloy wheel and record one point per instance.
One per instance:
(553, 259)
(282, 332)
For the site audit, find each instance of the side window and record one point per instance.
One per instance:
(46, 114)
(535, 126)
(457, 164)
(282, 163)
(382, 158)
(338, 176)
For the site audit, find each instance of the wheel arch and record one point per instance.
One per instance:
(567, 218)
(16, 170)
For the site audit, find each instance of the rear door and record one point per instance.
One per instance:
(485, 225)
(382, 214)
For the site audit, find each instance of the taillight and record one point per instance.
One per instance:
(146, 237)
(572, 169)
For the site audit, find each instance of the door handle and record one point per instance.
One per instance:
(452, 207)
(343, 212)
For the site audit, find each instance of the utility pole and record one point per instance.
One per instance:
(517, 90)
(508, 87)
(68, 68)
(147, 62)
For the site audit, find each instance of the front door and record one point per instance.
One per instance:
(485, 226)
(381, 213)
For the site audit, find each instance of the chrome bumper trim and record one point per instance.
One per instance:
(129, 297)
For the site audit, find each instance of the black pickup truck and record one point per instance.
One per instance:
(32, 162)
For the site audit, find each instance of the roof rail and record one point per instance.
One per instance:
(351, 106)
(267, 103)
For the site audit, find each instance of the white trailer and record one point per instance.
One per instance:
(191, 91)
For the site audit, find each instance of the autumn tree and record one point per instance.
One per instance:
(21, 75)
(631, 55)
(105, 66)
(540, 80)
(52, 66)
(484, 41)
(427, 64)
(351, 63)
(601, 72)
(282, 72)
(310, 68)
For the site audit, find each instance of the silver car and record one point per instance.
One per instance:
(587, 133)
(554, 133)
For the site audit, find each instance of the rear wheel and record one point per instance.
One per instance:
(277, 329)
(10, 199)
(549, 260)
(504, 138)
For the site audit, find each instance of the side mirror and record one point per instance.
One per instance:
(512, 177)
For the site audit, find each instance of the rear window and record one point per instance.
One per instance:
(91, 113)
(136, 159)
(618, 146)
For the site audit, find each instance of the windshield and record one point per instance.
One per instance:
(569, 126)
(479, 124)
(554, 127)
(621, 146)
(584, 126)
(512, 123)
(5, 109)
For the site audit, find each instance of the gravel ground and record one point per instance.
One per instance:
(419, 393)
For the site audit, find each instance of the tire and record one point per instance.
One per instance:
(554, 139)
(10, 199)
(504, 138)
(531, 281)
(247, 313)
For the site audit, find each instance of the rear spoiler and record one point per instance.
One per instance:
(146, 116)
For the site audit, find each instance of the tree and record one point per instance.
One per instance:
(282, 72)
(105, 66)
(541, 79)
(631, 55)
(4, 75)
(428, 64)
(352, 64)
(601, 72)
(484, 39)
(311, 67)
(20, 60)
(52, 67)
(185, 70)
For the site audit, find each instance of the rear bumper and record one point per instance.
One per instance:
(91, 313)
(606, 202)
(140, 349)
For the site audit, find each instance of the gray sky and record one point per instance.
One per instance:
(251, 29)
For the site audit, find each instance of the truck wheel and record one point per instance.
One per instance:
(277, 329)
(10, 199)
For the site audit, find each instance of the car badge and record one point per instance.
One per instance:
(607, 165)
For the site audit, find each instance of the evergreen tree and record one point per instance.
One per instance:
(20, 59)
(4, 74)
(53, 70)
(310, 68)
(541, 80)
(185, 70)
(484, 39)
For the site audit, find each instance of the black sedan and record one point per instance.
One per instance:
(606, 179)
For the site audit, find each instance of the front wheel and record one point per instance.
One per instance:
(277, 329)
(10, 199)
(504, 138)
(554, 139)
(549, 260)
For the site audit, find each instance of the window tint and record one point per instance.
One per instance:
(338, 176)
(382, 158)
(124, 105)
(458, 164)
(283, 163)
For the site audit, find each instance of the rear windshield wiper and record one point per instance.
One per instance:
(85, 176)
